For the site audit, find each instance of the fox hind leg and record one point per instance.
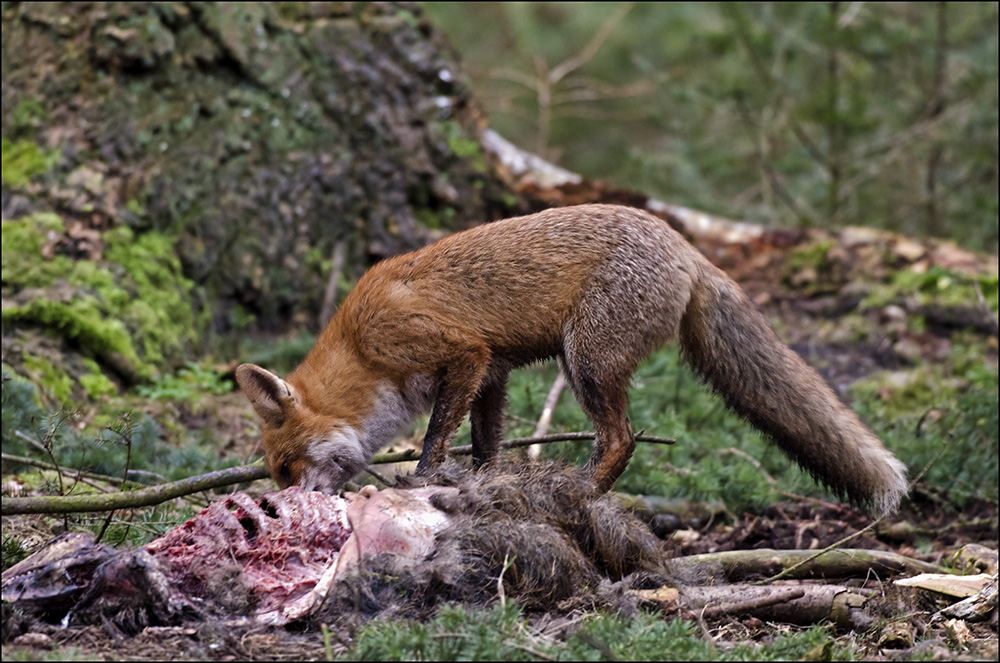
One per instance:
(603, 396)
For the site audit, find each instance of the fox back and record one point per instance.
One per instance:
(597, 286)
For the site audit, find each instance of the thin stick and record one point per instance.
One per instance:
(783, 595)
(548, 409)
(43, 465)
(465, 450)
(791, 569)
(920, 475)
(384, 480)
(168, 491)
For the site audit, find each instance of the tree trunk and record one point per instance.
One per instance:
(254, 135)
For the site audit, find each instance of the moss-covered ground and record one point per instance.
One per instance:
(928, 390)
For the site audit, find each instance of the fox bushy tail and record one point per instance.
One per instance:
(730, 343)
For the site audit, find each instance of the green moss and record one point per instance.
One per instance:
(160, 311)
(809, 256)
(188, 385)
(22, 251)
(462, 145)
(96, 383)
(81, 321)
(135, 303)
(23, 160)
(54, 381)
(936, 285)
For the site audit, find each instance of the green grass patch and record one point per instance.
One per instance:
(666, 399)
(956, 402)
(27, 425)
(942, 415)
(187, 385)
(504, 633)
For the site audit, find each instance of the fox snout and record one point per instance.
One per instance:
(332, 461)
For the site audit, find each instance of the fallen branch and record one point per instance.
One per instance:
(716, 602)
(132, 499)
(545, 420)
(837, 544)
(801, 604)
(465, 450)
(976, 608)
(233, 475)
(737, 565)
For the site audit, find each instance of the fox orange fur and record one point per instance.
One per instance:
(597, 286)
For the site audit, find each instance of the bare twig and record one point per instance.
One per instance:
(134, 499)
(791, 570)
(921, 473)
(124, 431)
(159, 494)
(30, 440)
(545, 420)
(46, 441)
(771, 481)
(572, 63)
(507, 561)
(43, 465)
(546, 78)
(384, 480)
(465, 450)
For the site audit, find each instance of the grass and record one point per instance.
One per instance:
(506, 633)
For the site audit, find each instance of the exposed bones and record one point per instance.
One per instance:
(276, 559)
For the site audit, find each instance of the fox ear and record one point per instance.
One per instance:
(270, 396)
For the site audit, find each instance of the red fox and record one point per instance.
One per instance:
(597, 286)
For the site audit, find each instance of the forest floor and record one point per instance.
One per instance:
(905, 330)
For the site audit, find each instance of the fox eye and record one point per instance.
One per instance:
(285, 473)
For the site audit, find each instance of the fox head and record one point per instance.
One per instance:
(301, 446)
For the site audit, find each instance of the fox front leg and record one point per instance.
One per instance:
(458, 386)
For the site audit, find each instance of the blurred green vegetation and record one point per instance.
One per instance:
(827, 114)
(30, 428)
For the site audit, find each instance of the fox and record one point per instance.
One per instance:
(596, 286)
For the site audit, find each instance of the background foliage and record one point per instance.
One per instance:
(881, 114)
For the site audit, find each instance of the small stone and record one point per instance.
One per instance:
(36, 640)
